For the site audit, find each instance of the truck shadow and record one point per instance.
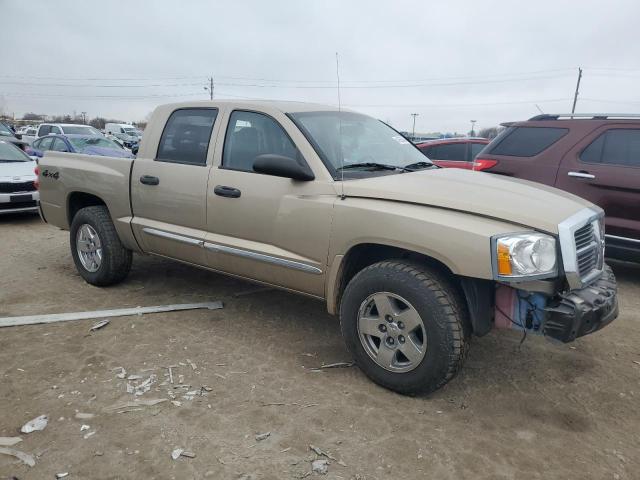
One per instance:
(297, 330)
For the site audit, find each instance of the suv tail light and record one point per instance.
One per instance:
(480, 164)
(36, 183)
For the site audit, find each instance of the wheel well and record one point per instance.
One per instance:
(363, 255)
(80, 200)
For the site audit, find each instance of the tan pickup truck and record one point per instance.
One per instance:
(340, 207)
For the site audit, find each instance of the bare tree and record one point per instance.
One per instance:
(490, 132)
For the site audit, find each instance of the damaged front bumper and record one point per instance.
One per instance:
(564, 316)
(583, 311)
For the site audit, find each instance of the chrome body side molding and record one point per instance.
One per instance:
(238, 252)
(214, 247)
(173, 236)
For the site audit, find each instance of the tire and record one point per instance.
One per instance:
(443, 337)
(114, 262)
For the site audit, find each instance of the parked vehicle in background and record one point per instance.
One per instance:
(595, 156)
(87, 144)
(8, 135)
(45, 129)
(29, 134)
(339, 206)
(453, 152)
(17, 180)
(128, 134)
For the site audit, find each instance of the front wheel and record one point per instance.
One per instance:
(100, 257)
(405, 326)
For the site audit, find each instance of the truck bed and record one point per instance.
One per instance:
(64, 175)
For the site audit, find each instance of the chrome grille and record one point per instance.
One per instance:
(582, 245)
(588, 249)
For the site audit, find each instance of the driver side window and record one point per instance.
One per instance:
(251, 134)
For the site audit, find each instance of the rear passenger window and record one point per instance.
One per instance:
(476, 148)
(251, 134)
(527, 141)
(45, 130)
(186, 136)
(453, 151)
(614, 147)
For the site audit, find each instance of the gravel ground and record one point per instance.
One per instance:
(536, 411)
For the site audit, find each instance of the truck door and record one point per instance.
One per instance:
(264, 227)
(169, 189)
(604, 168)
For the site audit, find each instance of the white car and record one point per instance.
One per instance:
(28, 134)
(66, 129)
(17, 180)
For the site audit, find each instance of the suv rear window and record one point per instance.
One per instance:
(526, 141)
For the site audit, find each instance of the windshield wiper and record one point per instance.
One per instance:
(412, 167)
(373, 166)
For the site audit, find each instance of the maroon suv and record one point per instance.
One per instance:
(594, 156)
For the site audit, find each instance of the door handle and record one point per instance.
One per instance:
(225, 191)
(581, 174)
(149, 180)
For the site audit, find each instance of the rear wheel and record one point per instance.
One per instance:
(100, 257)
(404, 325)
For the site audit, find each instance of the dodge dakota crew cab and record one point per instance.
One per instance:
(414, 259)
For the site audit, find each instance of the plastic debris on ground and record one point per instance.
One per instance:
(322, 453)
(84, 416)
(119, 312)
(9, 441)
(24, 457)
(320, 466)
(98, 326)
(175, 454)
(262, 436)
(37, 424)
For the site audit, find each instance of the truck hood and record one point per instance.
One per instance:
(17, 171)
(517, 201)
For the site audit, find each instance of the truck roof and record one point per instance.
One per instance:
(284, 106)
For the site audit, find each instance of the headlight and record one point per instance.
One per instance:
(525, 255)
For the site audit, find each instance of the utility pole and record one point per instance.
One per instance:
(210, 88)
(473, 125)
(575, 96)
(413, 135)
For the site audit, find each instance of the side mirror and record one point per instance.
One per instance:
(281, 166)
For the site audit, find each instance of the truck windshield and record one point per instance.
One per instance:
(82, 143)
(351, 141)
(80, 130)
(5, 131)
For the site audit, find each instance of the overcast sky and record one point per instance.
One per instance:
(449, 61)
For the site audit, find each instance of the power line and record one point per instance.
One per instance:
(487, 104)
(75, 85)
(261, 79)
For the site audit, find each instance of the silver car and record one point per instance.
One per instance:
(17, 180)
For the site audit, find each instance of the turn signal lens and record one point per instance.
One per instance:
(36, 182)
(504, 260)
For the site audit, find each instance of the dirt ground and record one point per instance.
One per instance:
(539, 411)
